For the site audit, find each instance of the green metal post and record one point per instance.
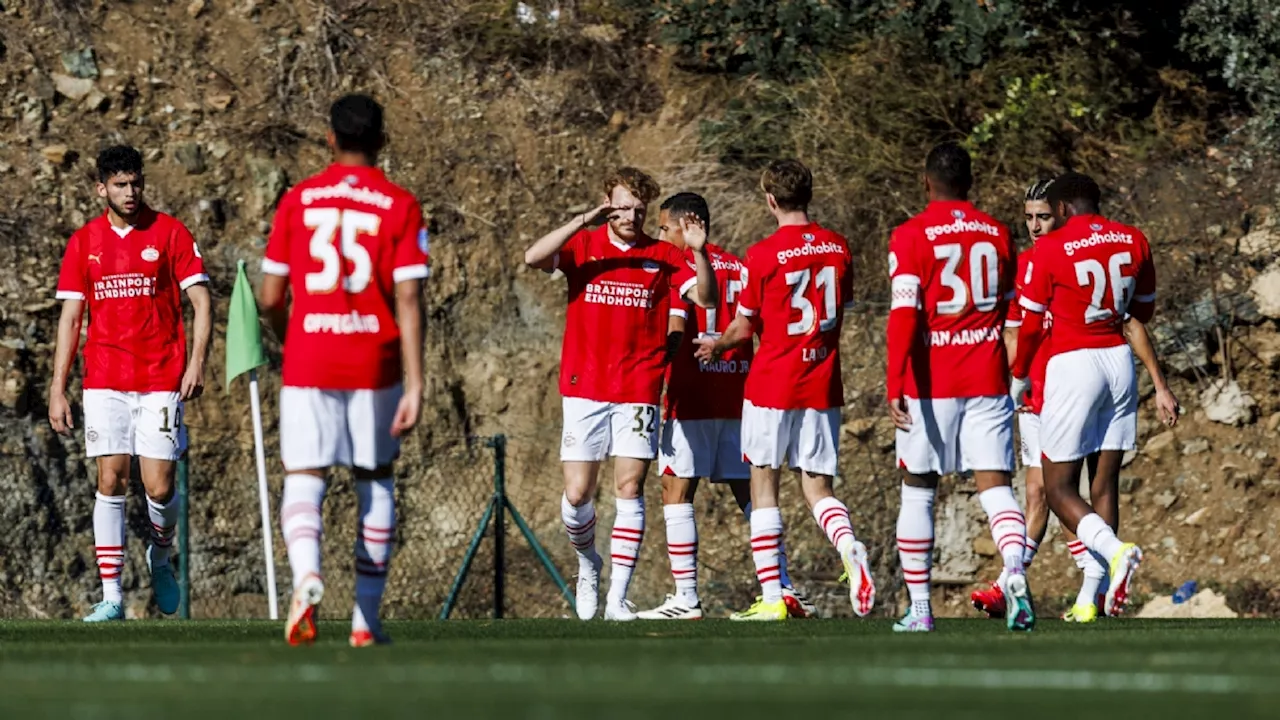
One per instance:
(466, 563)
(543, 557)
(499, 445)
(184, 544)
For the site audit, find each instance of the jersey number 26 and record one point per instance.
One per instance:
(328, 224)
(1090, 274)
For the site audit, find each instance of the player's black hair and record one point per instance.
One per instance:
(357, 124)
(1038, 191)
(950, 169)
(1077, 191)
(118, 159)
(687, 203)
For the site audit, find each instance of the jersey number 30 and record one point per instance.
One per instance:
(330, 224)
(984, 277)
(798, 281)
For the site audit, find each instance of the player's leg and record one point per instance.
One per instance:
(1037, 505)
(585, 441)
(764, 435)
(925, 452)
(1092, 593)
(1118, 435)
(634, 430)
(682, 446)
(160, 440)
(815, 450)
(313, 437)
(370, 415)
(108, 423)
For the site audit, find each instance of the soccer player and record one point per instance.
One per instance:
(1040, 221)
(952, 272)
(796, 285)
(703, 415)
(612, 366)
(350, 247)
(129, 267)
(1088, 274)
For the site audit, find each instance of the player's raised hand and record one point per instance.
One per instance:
(1167, 406)
(899, 414)
(60, 414)
(192, 382)
(407, 414)
(707, 351)
(599, 215)
(695, 235)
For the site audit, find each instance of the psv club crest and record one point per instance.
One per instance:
(957, 214)
(150, 254)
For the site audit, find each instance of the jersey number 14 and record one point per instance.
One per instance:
(328, 225)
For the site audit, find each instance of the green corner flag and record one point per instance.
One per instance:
(244, 334)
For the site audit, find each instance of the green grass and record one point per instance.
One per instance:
(558, 669)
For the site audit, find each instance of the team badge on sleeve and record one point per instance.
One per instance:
(423, 240)
(893, 263)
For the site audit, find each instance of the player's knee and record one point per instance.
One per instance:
(577, 494)
(677, 491)
(112, 482)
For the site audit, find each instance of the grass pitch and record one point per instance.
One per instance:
(558, 669)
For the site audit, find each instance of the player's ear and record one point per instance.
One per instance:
(331, 139)
(102, 189)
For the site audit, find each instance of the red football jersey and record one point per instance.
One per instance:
(709, 391)
(132, 280)
(797, 283)
(952, 267)
(1035, 396)
(344, 238)
(615, 330)
(1089, 275)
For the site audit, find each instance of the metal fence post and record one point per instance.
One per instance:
(499, 445)
(184, 544)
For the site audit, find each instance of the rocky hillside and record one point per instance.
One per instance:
(228, 101)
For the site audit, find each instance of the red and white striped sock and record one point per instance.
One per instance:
(1008, 524)
(1030, 553)
(833, 518)
(580, 526)
(376, 505)
(1093, 570)
(164, 524)
(301, 524)
(682, 548)
(783, 576)
(628, 532)
(915, 545)
(766, 536)
(108, 540)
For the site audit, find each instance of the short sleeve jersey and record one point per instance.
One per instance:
(797, 283)
(956, 265)
(344, 238)
(709, 391)
(132, 280)
(616, 324)
(1089, 274)
(1035, 397)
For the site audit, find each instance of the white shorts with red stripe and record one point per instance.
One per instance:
(806, 439)
(327, 428)
(1090, 403)
(950, 435)
(1029, 438)
(703, 449)
(145, 424)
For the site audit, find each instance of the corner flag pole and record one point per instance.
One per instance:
(245, 354)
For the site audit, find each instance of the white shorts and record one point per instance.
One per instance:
(1029, 432)
(806, 439)
(326, 428)
(594, 430)
(951, 435)
(1090, 403)
(145, 424)
(703, 449)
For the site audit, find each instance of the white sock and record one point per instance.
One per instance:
(784, 577)
(1030, 553)
(1093, 573)
(164, 524)
(682, 549)
(1096, 535)
(833, 518)
(1008, 524)
(628, 532)
(301, 525)
(580, 525)
(915, 544)
(376, 505)
(108, 540)
(766, 536)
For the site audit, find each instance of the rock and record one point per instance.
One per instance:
(1195, 446)
(35, 119)
(1166, 499)
(269, 182)
(1228, 403)
(55, 154)
(13, 391)
(95, 101)
(860, 428)
(1265, 290)
(1204, 604)
(195, 8)
(1159, 443)
(984, 546)
(70, 87)
(1258, 242)
(191, 157)
(1129, 484)
(1194, 518)
(219, 101)
(1273, 422)
(80, 63)
(1129, 457)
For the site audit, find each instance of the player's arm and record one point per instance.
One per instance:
(274, 291)
(542, 254)
(64, 353)
(737, 334)
(903, 329)
(409, 319)
(1140, 340)
(676, 321)
(706, 293)
(202, 304)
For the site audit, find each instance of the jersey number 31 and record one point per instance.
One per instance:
(328, 225)
(825, 284)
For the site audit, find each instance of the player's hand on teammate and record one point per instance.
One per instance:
(707, 350)
(1167, 407)
(192, 382)
(407, 413)
(695, 235)
(899, 414)
(1018, 388)
(60, 414)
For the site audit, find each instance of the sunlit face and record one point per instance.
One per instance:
(627, 217)
(123, 193)
(1039, 218)
(669, 229)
